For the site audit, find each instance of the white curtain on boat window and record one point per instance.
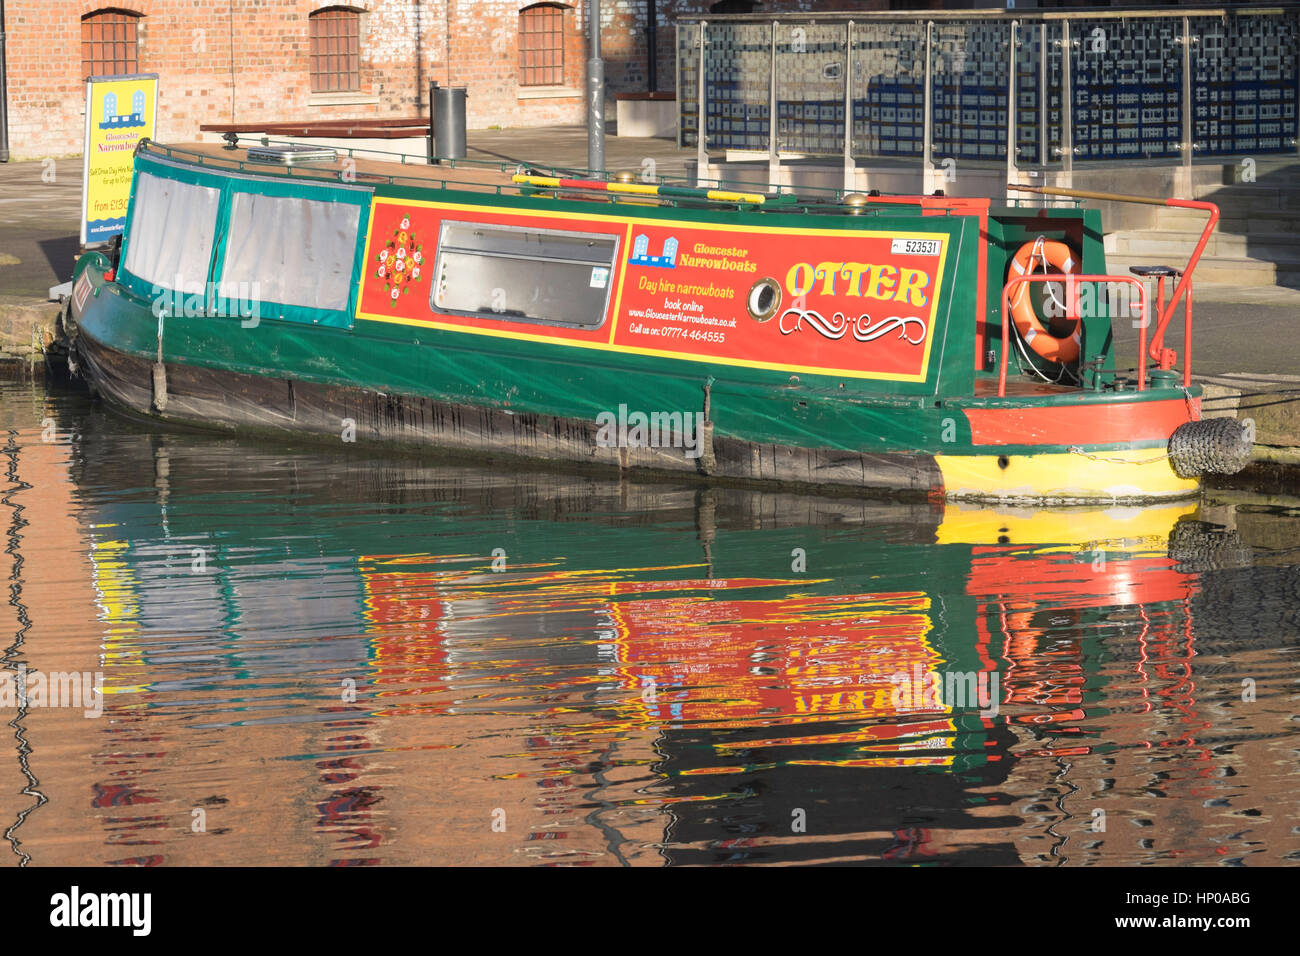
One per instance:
(290, 251)
(172, 227)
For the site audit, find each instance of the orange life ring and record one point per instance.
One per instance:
(1062, 259)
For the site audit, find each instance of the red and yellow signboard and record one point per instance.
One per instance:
(852, 303)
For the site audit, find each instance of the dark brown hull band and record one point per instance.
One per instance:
(278, 408)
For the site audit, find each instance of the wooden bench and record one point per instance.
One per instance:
(372, 127)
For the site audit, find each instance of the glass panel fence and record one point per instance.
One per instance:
(810, 64)
(737, 68)
(1130, 97)
(1126, 85)
(888, 89)
(1244, 84)
(969, 64)
(688, 75)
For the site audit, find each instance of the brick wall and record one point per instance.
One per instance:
(257, 67)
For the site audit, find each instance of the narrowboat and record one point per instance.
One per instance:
(879, 344)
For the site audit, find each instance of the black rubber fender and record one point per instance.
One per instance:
(1214, 446)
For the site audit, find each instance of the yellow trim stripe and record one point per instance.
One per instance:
(721, 195)
(639, 189)
(618, 289)
(620, 217)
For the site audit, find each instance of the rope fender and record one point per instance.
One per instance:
(1214, 446)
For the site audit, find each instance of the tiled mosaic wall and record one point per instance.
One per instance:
(1244, 83)
(1127, 88)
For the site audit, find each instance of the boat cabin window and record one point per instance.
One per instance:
(172, 229)
(290, 251)
(534, 275)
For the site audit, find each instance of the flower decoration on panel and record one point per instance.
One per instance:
(400, 261)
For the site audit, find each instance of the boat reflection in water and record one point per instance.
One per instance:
(347, 660)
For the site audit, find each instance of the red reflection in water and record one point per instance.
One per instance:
(347, 813)
(1044, 605)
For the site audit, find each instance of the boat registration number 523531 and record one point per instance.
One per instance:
(916, 247)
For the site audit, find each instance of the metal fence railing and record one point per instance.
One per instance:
(1029, 88)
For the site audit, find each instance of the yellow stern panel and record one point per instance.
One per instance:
(1131, 474)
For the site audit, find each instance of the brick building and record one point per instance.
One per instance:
(248, 61)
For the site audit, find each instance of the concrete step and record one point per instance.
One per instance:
(1260, 223)
(1277, 247)
(1243, 209)
(1232, 220)
(1246, 207)
(1216, 270)
(1258, 194)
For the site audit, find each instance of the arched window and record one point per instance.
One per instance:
(541, 45)
(109, 42)
(335, 50)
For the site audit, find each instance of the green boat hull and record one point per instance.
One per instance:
(469, 386)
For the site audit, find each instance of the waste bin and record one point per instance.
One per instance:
(448, 104)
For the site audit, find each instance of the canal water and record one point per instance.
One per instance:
(334, 656)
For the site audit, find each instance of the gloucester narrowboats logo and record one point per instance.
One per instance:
(115, 120)
(641, 253)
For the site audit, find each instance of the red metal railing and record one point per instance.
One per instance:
(1167, 357)
(1164, 358)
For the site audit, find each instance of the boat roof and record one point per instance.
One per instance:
(353, 166)
(367, 170)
